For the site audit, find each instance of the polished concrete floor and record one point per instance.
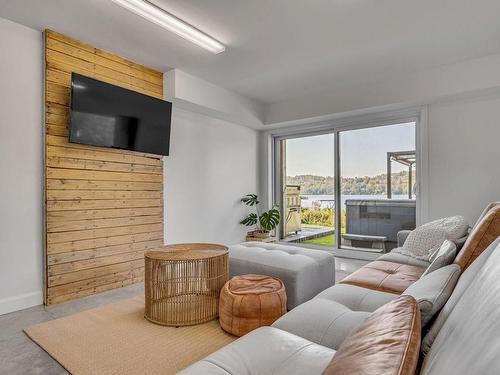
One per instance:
(20, 355)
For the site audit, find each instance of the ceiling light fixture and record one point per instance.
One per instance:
(170, 22)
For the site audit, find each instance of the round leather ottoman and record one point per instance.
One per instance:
(248, 302)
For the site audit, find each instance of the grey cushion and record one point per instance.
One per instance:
(426, 239)
(305, 272)
(445, 255)
(396, 257)
(265, 351)
(402, 236)
(462, 285)
(433, 290)
(468, 340)
(357, 298)
(322, 321)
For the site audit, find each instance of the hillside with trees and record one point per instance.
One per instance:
(367, 185)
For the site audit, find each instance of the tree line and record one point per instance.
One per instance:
(366, 185)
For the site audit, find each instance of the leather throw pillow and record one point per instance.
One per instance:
(388, 342)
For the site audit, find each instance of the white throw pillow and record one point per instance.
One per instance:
(433, 290)
(443, 257)
(424, 242)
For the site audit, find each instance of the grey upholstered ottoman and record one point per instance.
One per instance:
(304, 272)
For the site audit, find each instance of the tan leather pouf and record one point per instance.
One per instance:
(248, 302)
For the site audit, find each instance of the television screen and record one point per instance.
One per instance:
(110, 116)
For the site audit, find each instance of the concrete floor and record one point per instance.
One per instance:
(20, 355)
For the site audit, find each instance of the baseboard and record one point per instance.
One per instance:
(21, 301)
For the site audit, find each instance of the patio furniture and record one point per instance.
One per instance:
(251, 301)
(183, 282)
(373, 243)
(373, 219)
(293, 220)
(305, 272)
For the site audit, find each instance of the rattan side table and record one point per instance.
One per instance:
(182, 283)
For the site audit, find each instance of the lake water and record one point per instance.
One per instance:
(328, 200)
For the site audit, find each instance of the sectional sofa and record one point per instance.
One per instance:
(459, 338)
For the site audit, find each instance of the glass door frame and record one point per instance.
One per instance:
(416, 115)
(278, 188)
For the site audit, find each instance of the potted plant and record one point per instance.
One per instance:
(264, 222)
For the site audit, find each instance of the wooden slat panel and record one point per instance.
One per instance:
(94, 272)
(97, 233)
(92, 57)
(56, 109)
(54, 35)
(56, 97)
(55, 216)
(84, 285)
(58, 76)
(62, 195)
(92, 263)
(98, 154)
(52, 140)
(66, 63)
(61, 131)
(101, 252)
(102, 176)
(61, 184)
(56, 119)
(101, 204)
(101, 243)
(67, 69)
(96, 165)
(61, 226)
(99, 289)
(104, 207)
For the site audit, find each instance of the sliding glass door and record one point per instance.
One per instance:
(377, 179)
(351, 189)
(307, 190)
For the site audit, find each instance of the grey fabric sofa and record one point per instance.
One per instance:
(466, 330)
(305, 272)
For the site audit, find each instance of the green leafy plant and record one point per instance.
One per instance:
(265, 222)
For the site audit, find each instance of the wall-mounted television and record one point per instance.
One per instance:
(110, 116)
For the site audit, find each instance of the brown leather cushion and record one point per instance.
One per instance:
(385, 276)
(481, 237)
(248, 302)
(387, 343)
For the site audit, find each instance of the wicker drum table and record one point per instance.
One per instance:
(182, 283)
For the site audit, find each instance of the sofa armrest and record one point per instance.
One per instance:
(402, 236)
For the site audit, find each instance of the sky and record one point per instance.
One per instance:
(363, 151)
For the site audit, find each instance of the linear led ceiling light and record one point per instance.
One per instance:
(170, 22)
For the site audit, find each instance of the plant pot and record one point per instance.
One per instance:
(261, 234)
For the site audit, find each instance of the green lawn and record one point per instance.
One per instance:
(328, 240)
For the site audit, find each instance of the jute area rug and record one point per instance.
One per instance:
(116, 339)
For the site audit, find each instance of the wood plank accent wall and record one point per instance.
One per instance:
(104, 207)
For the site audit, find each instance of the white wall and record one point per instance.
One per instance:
(21, 161)
(466, 78)
(194, 94)
(212, 164)
(464, 156)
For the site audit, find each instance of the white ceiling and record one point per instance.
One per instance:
(281, 49)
